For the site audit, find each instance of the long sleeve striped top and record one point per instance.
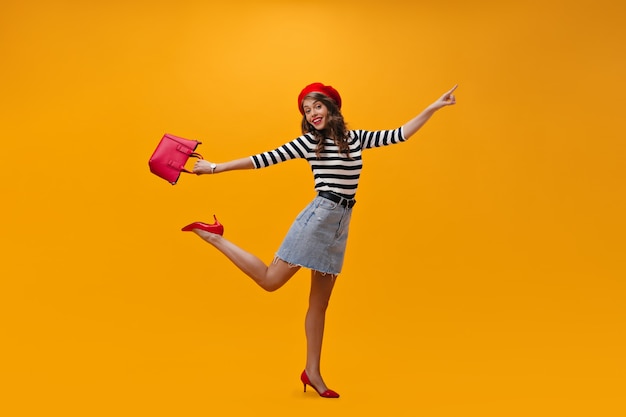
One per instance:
(332, 171)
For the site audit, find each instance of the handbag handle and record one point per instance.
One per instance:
(195, 155)
(182, 168)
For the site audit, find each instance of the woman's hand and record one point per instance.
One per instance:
(202, 167)
(447, 99)
(418, 121)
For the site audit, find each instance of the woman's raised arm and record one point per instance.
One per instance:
(418, 121)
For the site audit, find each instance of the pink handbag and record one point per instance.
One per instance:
(171, 155)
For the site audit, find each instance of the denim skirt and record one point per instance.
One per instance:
(318, 236)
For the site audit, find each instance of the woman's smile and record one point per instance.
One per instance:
(315, 112)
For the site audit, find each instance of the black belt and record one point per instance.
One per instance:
(337, 199)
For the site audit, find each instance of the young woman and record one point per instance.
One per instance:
(317, 237)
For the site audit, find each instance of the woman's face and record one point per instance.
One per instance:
(316, 113)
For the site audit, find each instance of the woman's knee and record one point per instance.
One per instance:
(318, 306)
(277, 275)
(271, 286)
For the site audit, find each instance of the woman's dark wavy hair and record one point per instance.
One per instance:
(336, 128)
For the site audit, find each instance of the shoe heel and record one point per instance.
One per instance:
(304, 378)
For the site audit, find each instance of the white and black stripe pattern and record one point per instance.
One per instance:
(332, 171)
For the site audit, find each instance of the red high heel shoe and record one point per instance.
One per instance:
(216, 227)
(326, 394)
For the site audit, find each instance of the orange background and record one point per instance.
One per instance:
(485, 268)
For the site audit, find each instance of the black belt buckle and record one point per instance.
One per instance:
(342, 201)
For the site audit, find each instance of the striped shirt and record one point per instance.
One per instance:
(332, 171)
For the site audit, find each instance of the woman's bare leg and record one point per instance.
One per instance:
(321, 289)
(270, 278)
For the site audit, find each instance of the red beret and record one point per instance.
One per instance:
(327, 90)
